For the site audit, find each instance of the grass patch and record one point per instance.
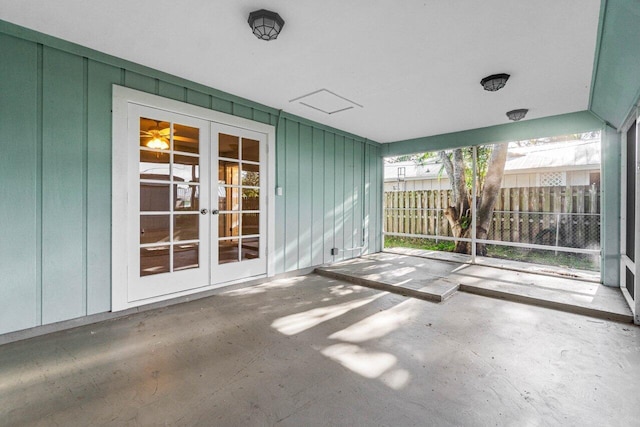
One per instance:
(534, 256)
(417, 243)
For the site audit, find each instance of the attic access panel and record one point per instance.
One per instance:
(326, 102)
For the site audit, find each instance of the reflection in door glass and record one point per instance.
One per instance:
(250, 248)
(186, 168)
(228, 199)
(250, 150)
(228, 225)
(154, 197)
(186, 139)
(228, 172)
(228, 146)
(250, 223)
(154, 229)
(154, 166)
(185, 256)
(154, 260)
(250, 199)
(187, 197)
(186, 227)
(228, 251)
(250, 175)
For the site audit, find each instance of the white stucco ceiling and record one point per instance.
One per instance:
(413, 65)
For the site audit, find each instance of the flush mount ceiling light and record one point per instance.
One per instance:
(494, 82)
(516, 115)
(266, 25)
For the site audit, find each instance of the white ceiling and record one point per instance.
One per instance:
(413, 65)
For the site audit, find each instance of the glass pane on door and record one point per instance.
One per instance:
(169, 196)
(238, 198)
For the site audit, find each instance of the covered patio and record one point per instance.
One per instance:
(192, 226)
(310, 350)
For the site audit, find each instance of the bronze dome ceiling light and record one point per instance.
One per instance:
(266, 25)
(494, 82)
(516, 115)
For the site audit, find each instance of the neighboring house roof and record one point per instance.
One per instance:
(573, 155)
(567, 155)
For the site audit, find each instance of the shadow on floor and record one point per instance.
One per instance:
(437, 280)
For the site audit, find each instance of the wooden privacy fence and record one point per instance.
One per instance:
(557, 216)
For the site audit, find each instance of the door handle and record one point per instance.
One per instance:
(203, 211)
(215, 212)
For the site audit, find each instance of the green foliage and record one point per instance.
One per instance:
(544, 257)
(253, 179)
(416, 243)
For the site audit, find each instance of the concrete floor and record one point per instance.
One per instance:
(312, 351)
(437, 280)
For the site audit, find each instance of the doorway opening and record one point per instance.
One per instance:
(532, 205)
(190, 200)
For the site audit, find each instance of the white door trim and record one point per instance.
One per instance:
(122, 196)
(625, 261)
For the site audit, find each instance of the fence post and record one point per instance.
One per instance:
(568, 209)
(506, 220)
(527, 217)
(396, 210)
(431, 205)
(406, 213)
(497, 218)
(580, 219)
(412, 212)
(535, 220)
(546, 206)
(594, 226)
(420, 212)
(515, 206)
(557, 208)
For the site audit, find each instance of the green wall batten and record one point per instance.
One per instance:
(581, 121)
(55, 122)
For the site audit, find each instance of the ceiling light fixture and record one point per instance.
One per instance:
(266, 25)
(158, 143)
(516, 115)
(157, 135)
(494, 82)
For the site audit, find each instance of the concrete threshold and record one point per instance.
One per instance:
(437, 280)
(437, 291)
(552, 300)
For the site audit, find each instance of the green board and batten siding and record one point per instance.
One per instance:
(55, 178)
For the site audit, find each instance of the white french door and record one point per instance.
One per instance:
(190, 200)
(239, 223)
(169, 199)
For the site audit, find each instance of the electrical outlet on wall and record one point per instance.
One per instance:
(334, 251)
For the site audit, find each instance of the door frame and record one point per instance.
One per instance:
(625, 261)
(121, 197)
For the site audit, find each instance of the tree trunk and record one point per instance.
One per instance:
(490, 192)
(458, 229)
(457, 215)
